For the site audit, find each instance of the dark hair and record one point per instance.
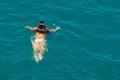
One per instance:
(42, 25)
(42, 29)
(42, 22)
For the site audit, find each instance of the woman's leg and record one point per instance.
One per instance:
(39, 49)
(35, 49)
(42, 46)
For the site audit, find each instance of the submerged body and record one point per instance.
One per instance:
(39, 42)
(39, 46)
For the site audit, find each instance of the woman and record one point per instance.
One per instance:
(39, 42)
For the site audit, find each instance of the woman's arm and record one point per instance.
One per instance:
(31, 28)
(54, 30)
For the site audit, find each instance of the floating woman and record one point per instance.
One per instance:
(39, 42)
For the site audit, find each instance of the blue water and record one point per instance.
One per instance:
(86, 48)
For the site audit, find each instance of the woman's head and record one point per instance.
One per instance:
(41, 28)
(42, 25)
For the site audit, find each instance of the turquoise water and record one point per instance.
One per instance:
(86, 48)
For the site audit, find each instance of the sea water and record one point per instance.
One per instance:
(86, 48)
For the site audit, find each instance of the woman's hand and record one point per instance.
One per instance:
(29, 27)
(57, 28)
(26, 26)
(54, 30)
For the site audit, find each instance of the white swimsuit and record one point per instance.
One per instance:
(39, 40)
